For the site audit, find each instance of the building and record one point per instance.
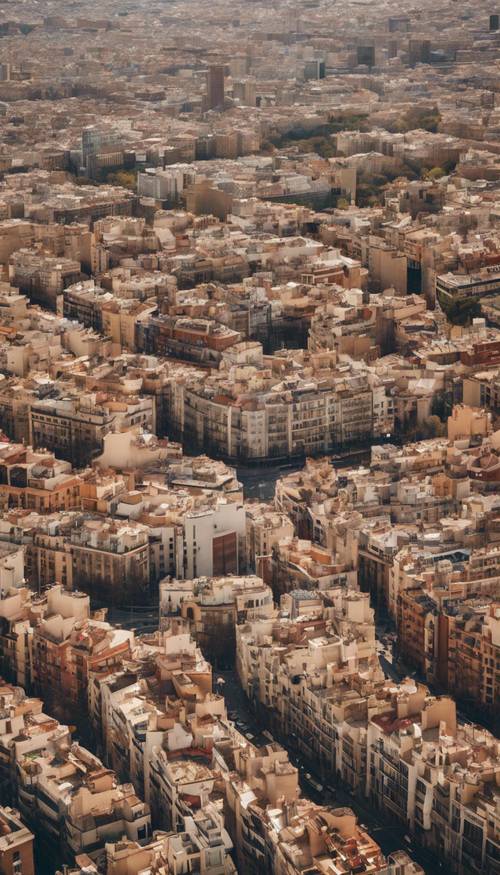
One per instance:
(36, 480)
(42, 278)
(299, 564)
(16, 845)
(265, 527)
(67, 646)
(213, 606)
(74, 426)
(452, 287)
(215, 86)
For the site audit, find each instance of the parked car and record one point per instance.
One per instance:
(313, 783)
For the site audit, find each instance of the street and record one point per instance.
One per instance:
(143, 619)
(389, 837)
(259, 482)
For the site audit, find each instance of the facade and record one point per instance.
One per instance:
(111, 560)
(264, 528)
(37, 481)
(74, 428)
(215, 86)
(301, 564)
(42, 278)
(16, 845)
(451, 287)
(447, 614)
(311, 414)
(67, 646)
(213, 606)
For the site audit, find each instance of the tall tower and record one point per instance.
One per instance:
(215, 86)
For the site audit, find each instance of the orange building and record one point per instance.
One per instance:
(16, 845)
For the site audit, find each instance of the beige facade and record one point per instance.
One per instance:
(213, 606)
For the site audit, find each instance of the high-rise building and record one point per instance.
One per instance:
(215, 86)
(245, 91)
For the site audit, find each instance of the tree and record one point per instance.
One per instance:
(460, 311)
(435, 173)
(418, 117)
(433, 427)
(125, 178)
(342, 121)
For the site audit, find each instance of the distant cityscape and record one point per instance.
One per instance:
(249, 438)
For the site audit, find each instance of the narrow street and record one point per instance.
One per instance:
(389, 837)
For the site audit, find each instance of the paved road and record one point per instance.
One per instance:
(259, 481)
(388, 667)
(390, 838)
(141, 618)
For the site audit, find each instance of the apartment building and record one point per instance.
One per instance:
(16, 636)
(453, 286)
(297, 491)
(25, 348)
(195, 340)
(437, 781)
(43, 537)
(16, 845)
(11, 568)
(135, 449)
(420, 496)
(36, 480)
(74, 426)
(447, 617)
(202, 533)
(163, 711)
(25, 729)
(307, 667)
(15, 403)
(213, 606)
(63, 791)
(277, 831)
(265, 527)
(110, 560)
(83, 302)
(226, 542)
(482, 389)
(201, 844)
(178, 784)
(77, 803)
(469, 666)
(244, 412)
(67, 645)
(41, 277)
(124, 541)
(299, 564)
